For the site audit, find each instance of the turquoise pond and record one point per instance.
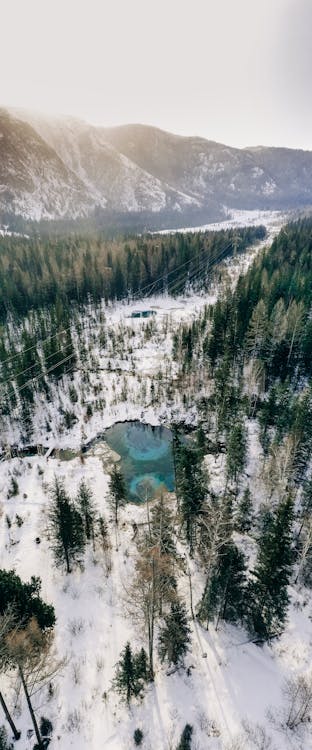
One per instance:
(146, 457)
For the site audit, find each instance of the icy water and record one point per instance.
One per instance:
(146, 457)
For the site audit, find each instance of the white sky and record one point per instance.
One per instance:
(235, 71)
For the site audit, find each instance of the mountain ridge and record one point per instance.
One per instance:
(61, 167)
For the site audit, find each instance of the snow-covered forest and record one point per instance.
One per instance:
(181, 621)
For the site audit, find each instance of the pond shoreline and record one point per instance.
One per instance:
(28, 451)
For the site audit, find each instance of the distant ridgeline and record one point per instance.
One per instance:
(46, 272)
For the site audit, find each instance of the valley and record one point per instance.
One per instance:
(181, 360)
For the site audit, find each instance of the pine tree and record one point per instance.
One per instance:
(118, 491)
(174, 635)
(231, 581)
(24, 600)
(258, 332)
(267, 596)
(140, 665)
(86, 506)
(201, 441)
(126, 681)
(224, 597)
(186, 738)
(236, 451)
(65, 527)
(306, 506)
(225, 394)
(192, 491)
(244, 517)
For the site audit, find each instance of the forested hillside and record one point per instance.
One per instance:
(38, 273)
(46, 286)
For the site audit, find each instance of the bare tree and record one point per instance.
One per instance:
(6, 625)
(298, 694)
(153, 584)
(28, 650)
(257, 737)
(215, 531)
(103, 541)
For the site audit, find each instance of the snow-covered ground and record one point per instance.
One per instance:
(238, 218)
(236, 680)
(111, 370)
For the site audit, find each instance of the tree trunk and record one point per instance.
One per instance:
(31, 710)
(16, 733)
(191, 593)
(151, 626)
(175, 473)
(223, 605)
(67, 561)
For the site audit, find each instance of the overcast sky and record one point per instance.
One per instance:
(235, 71)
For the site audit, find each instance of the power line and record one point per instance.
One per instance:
(173, 270)
(203, 266)
(42, 375)
(173, 284)
(35, 364)
(137, 294)
(34, 346)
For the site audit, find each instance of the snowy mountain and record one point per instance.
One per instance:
(53, 168)
(34, 181)
(238, 178)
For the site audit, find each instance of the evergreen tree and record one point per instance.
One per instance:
(140, 665)
(87, 510)
(126, 681)
(230, 582)
(192, 491)
(174, 635)
(186, 738)
(236, 451)
(118, 491)
(257, 335)
(225, 395)
(306, 505)
(24, 600)
(244, 516)
(267, 596)
(118, 282)
(224, 597)
(201, 441)
(137, 736)
(66, 528)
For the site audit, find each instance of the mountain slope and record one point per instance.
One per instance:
(238, 178)
(34, 181)
(65, 168)
(114, 180)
